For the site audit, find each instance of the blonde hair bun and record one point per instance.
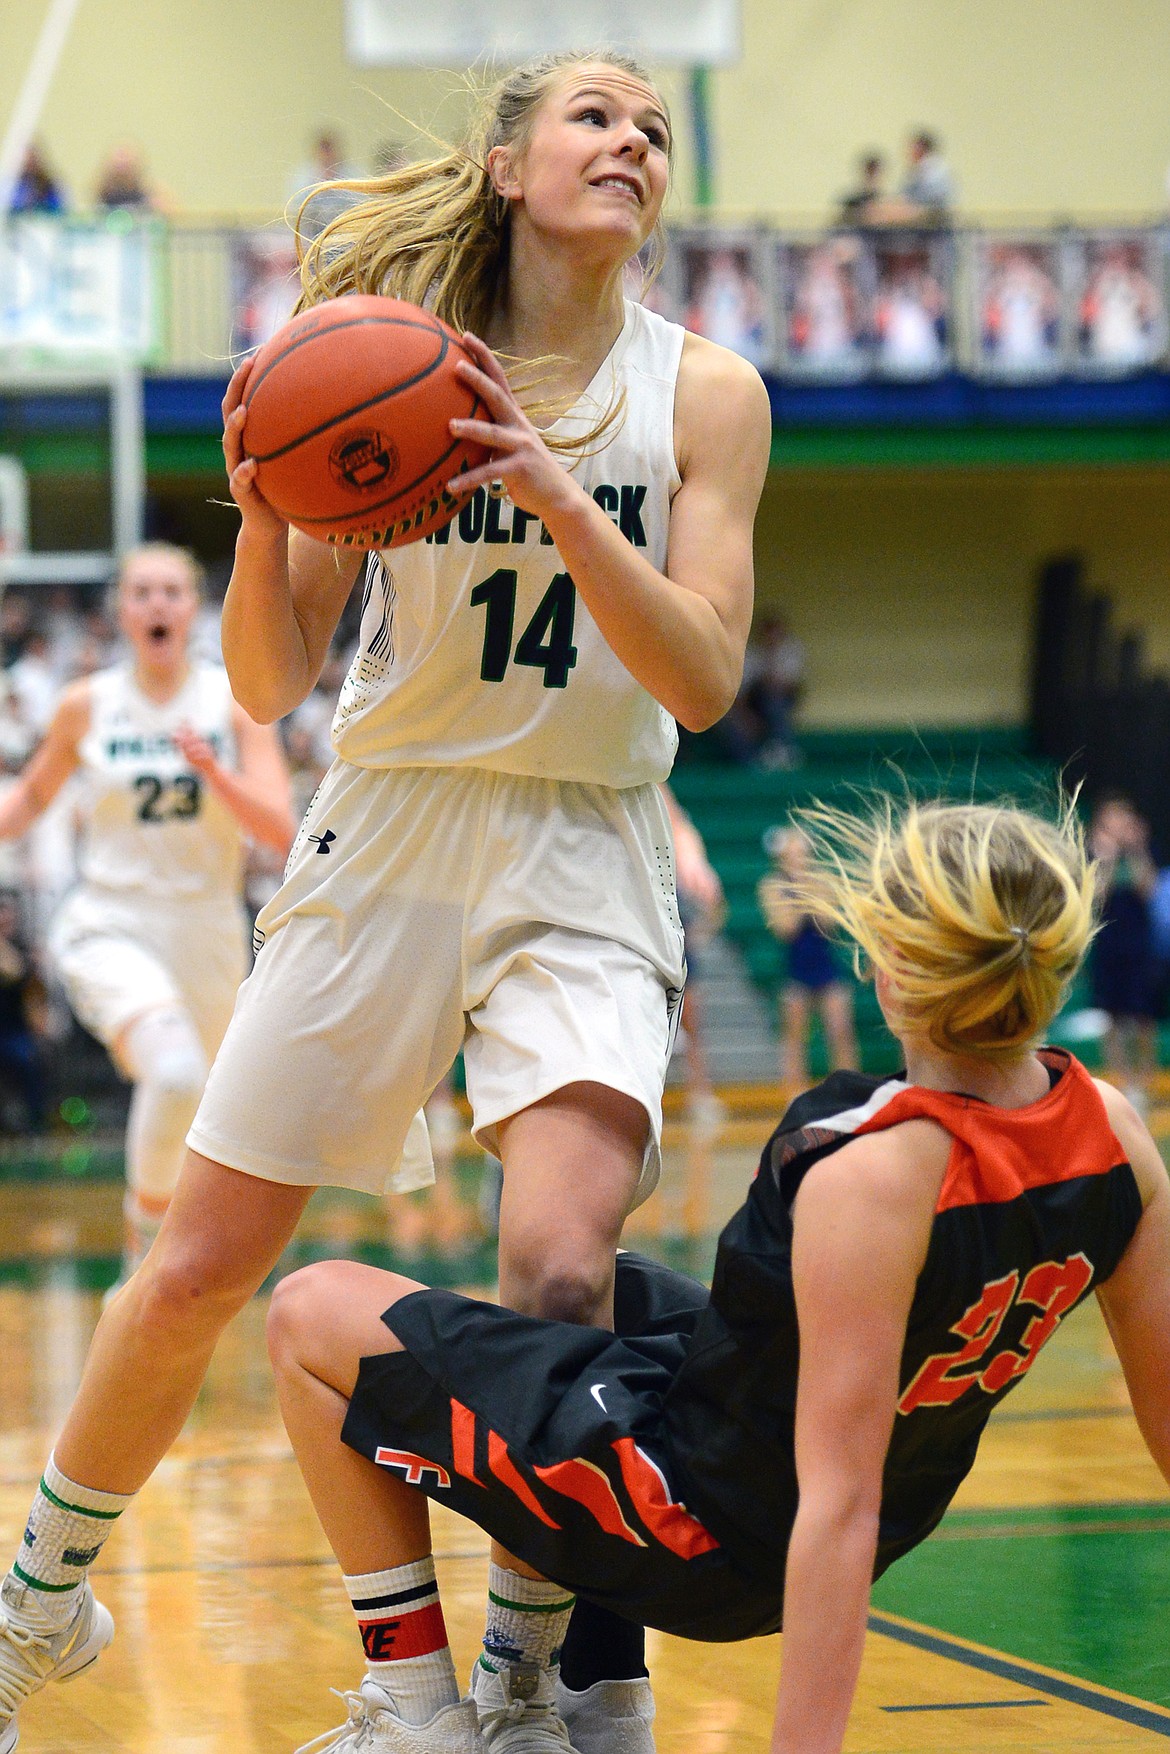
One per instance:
(978, 914)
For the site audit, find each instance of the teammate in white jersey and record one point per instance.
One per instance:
(487, 864)
(150, 945)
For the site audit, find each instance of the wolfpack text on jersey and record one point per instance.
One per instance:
(475, 648)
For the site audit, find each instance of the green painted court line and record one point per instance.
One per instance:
(971, 1705)
(1007, 1530)
(1069, 1515)
(1072, 1692)
(1009, 1522)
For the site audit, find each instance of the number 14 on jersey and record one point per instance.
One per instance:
(546, 643)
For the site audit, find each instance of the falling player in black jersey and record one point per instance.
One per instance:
(731, 1461)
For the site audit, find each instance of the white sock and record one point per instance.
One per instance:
(405, 1640)
(67, 1528)
(527, 1620)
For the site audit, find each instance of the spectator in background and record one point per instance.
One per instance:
(1160, 938)
(313, 719)
(122, 184)
(17, 737)
(305, 771)
(15, 621)
(33, 681)
(327, 163)
(100, 640)
(1122, 966)
(36, 189)
(868, 203)
(22, 1012)
(759, 725)
(928, 188)
(814, 983)
(206, 639)
(773, 681)
(64, 629)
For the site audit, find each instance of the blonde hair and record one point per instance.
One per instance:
(978, 914)
(167, 550)
(436, 232)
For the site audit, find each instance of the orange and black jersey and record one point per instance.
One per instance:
(652, 1469)
(1036, 1208)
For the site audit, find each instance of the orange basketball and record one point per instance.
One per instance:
(348, 410)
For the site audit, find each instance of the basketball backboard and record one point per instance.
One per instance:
(456, 33)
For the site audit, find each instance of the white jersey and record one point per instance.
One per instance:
(151, 825)
(476, 650)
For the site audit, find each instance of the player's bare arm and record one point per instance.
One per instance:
(1135, 1299)
(50, 766)
(259, 795)
(286, 592)
(862, 1222)
(681, 633)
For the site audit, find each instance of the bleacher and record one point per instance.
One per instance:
(733, 807)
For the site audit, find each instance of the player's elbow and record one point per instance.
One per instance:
(705, 704)
(846, 1509)
(265, 700)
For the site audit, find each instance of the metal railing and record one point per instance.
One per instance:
(828, 306)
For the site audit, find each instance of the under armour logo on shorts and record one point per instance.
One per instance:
(324, 841)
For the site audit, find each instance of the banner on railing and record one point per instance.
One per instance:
(1018, 307)
(1117, 291)
(829, 307)
(78, 289)
(844, 306)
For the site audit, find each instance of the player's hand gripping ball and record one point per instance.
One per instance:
(348, 411)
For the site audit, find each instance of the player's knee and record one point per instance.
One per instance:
(560, 1290)
(185, 1289)
(299, 1309)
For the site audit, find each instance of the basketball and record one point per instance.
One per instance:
(348, 410)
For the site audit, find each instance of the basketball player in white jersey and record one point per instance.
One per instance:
(487, 864)
(150, 945)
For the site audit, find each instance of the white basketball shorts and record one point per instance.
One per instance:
(531, 922)
(119, 956)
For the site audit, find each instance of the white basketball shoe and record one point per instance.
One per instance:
(34, 1649)
(517, 1710)
(372, 1726)
(611, 1717)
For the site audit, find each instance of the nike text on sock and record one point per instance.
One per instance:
(405, 1639)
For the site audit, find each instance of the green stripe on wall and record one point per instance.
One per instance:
(167, 454)
(967, 447)
(173, 454)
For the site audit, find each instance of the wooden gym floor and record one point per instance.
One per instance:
(1036, 1619)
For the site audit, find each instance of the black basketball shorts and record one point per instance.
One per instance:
(550, 1438)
